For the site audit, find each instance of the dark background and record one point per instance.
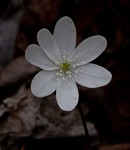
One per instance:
(30, 123)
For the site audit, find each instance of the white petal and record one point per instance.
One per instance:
(44, 83)
(36, 56)
(92, 76)
(67, 94)
(89, 49)
(65, 34)
(49, 45)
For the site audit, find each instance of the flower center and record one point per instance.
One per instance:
(65, 67)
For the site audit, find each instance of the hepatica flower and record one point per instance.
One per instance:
(63, 64)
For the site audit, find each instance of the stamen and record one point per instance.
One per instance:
(72, 60)
(61, 71)
(59, 74)
(73, 66)
(70, 76)
(67, 66)
(68, 72)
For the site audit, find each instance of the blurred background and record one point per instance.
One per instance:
(27, 123)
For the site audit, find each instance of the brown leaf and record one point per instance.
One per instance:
(17, 71)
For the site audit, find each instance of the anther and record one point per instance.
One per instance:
(61, 71)
(59, 74)
(68, 72)
(70, 76)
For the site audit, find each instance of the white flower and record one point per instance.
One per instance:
(64, 64)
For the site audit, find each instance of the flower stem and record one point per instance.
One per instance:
(87, 137)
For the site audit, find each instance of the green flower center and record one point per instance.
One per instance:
(65, 66)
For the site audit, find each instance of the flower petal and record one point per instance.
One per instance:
(44, 83)
(65, 34)
(67, 94)
(89, 49)
(49, 45)
(36, 56)
(92, 76)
